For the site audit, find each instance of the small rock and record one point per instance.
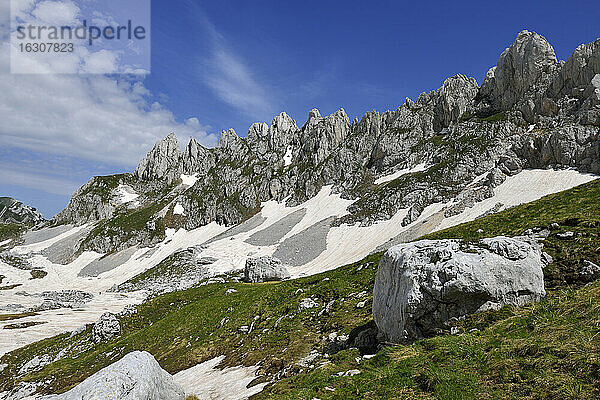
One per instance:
(565, 235)
(589, 271)
(307, 303)
(264, 269)
(361, 304)
(230, 291)
(106, 328)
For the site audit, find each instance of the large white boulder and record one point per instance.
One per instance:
(265, 269)
(420, 286)
(137, 376)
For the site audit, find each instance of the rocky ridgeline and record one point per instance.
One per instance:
(15, 212)
(530, 111)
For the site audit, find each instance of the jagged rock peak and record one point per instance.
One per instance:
(578, 72)
(13, 211)
(321, 135)
(162, 161)
(283, 123)
(228, 138)
(194, 156)
(314, 113)
(282, 132)
(453, 100)
(528, 65)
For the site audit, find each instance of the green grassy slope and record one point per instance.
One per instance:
(548, 350)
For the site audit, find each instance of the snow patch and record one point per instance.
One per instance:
(36, 247)
(188, 180)
(287, 158)
(207, 381)
(63, 277)
(4, 243)
(125, 194)
(525, 187)
(178, 209)
(399, 173)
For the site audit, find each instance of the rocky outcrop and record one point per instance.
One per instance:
(453, 100)
(421, 287)
(162, 162)
(106, 328)
(196, 159)
(15, 212)
(524, 70)
(264, 269)
(136, 376)
(180, 271)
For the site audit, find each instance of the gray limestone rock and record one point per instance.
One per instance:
(106, 328)
(527, 65)
(162, 162)
(420, 286)
(136, 376)
(265, 269)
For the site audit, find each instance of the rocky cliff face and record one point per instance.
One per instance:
(530, 111)
(15, 212)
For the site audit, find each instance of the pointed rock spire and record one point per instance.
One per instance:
(162, 161)
(527, 65)
(195, 156)
(282, 132)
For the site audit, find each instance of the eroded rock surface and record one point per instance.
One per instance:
(420, 286)
(137, 376)
(264, 269)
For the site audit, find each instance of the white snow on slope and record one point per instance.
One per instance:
(207, 381)
(399, 173)
(36, 247)
(287, 158)
(525, 187)
(5, 242)
(188, 180)
(350, 243)
(125, 194)
(65, 277)
(178, 209)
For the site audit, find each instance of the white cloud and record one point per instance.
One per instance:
(101, 62)
(234, 84)
(57, 13)
(92, 117)
(228, 76)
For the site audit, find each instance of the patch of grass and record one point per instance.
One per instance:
(501, 116)
(184, 328)
(574, 210)
(549, 350)
(11, 231)
(9, 317)
(104, 185)
(23, 325)
(9, 287)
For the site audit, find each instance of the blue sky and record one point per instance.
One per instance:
(217, 65)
